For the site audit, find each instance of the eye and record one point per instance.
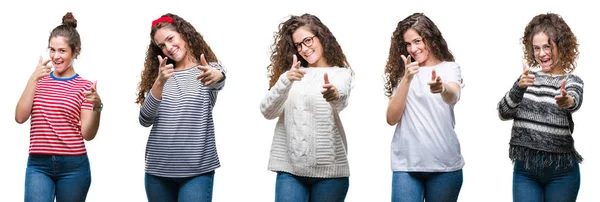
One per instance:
(170, 39)
(63, 51)
(418, 41)
(308, 40)
(536, 48)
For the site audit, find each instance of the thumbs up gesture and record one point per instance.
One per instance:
(210, 75)
(435, 85)
(295, 73)
(92, 95)
(526, 79)
(563, 100)
(41, 70)
(330, 92)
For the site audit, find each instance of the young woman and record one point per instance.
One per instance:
(426, 159)
(540, 103)
(177, 93)
(65, 110)
(310, 84)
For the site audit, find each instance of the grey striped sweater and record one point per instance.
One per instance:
(182, 139)
(541, 132)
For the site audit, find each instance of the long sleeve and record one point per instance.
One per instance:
(574, 88)
(218, 85)
(273, 103)
(149, 110)
(343, 82)
(507, 107)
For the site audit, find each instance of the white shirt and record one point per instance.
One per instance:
(424, 140)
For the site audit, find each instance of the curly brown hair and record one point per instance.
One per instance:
(434, 41)
(68, 30)
(195, 45)
(558, 33)
(283, 46)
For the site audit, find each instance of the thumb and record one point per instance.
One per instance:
(295, 61)
(203, 60)
(326, 78)
(525, 68)
(94, 85)
(563, 85)
(433, 75)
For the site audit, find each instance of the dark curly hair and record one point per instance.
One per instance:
(195, 46)
(68, 30)
(283, 46)
(558, 33)
(434, 41)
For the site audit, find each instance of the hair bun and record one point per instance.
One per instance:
(69, 20)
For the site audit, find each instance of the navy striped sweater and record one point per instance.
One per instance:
(182, 139)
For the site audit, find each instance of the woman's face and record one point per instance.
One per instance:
(417, 48)
(545, 52)
(61, 54)
(171, 44)
(309, 47)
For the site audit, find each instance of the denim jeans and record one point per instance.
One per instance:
(547, 185)
(430, 186)
(186, 189)
(291, 188)
(67, 178)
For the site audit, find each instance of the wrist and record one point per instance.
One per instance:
(98, 107)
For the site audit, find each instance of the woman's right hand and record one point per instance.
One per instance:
(526, 79)
(42, 70)
(411, 68)
(295, 73)
(165, 70)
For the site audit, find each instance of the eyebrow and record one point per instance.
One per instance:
(417, 38)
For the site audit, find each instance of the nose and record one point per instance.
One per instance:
(54, 55)
(303, 47)
(413, 49)
(542, 53)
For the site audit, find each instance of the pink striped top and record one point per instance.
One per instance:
(55, 116)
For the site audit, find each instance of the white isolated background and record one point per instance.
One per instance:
(483, 36)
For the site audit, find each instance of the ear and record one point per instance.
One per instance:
(76, 53)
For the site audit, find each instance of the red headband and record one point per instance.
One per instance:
(163, 18)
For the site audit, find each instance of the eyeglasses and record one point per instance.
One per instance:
(308, 41)
(547, 48)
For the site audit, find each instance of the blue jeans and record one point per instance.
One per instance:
(430, 186)
(546, 185)
(67, 178)
(291, 188)
(166, 189)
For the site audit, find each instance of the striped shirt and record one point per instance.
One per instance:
(182, 139)
(55, 116)
(540, 127)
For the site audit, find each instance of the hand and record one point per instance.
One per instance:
(411, 68)
(210, 75)
(330, 92)
(41, 70)
(436, 85)
(563, 100)
(165, 70)
(295, 73)
(526, 79)
(92, 95)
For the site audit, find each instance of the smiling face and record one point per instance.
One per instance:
(309, 47)
(546, 53)
(61, 54)
(171, 44)
(417, 48)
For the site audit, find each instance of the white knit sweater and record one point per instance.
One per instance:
(309, 138)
